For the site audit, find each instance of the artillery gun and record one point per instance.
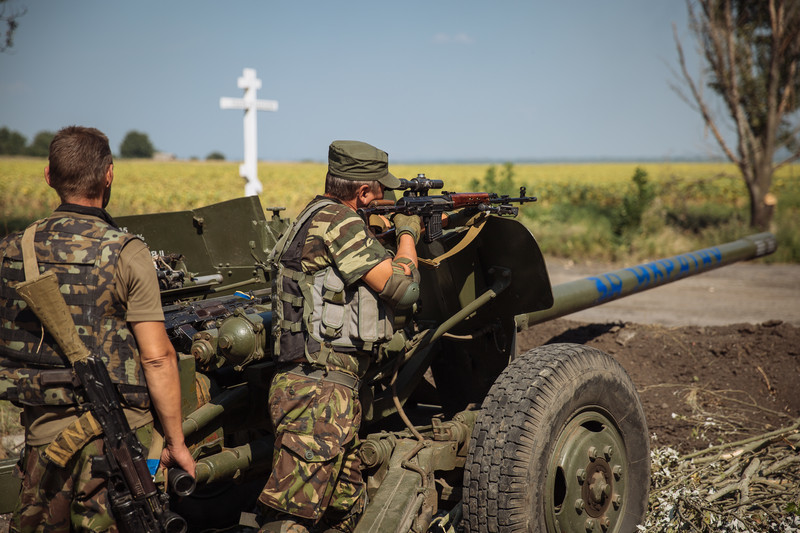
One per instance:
(460, 432)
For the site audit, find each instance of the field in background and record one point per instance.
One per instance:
(577, 216)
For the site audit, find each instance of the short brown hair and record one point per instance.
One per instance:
(79, 160)
(345, 189)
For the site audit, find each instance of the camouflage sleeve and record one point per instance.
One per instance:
(338, 236)
(137, 285)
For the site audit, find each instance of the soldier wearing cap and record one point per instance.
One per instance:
(335, 291)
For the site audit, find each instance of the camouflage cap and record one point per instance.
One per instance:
(359, 161)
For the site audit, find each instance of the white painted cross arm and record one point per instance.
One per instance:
(226, 102)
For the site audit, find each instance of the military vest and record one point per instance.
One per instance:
(83, 253)
(316, 312)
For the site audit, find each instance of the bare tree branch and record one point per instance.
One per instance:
(752, 55)
(701, 104)
(11, 23)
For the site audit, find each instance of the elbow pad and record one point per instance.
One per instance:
(401, 290)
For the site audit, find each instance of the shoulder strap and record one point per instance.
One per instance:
(291, 233)
(29, 261)
(472, 232)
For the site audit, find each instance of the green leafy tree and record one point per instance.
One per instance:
(504, 185)
(507, 185)
(215, 156)
(628, 217)
(40, 146)
(136, 145)
(12, 142)
(752, 55)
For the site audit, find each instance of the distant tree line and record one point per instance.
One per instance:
(135, 145)
(14, 143)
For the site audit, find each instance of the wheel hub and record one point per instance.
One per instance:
(598, 487)
(585, 477)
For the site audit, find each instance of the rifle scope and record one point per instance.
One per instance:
(420, 184)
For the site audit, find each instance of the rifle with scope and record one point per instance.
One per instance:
(431, 208)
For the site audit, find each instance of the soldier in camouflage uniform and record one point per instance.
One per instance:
(334, 294)
(109, 283)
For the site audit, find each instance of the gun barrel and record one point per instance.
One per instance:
(592, 291)
(180, 482)
(231, 462)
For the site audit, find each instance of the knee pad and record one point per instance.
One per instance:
(401, 290)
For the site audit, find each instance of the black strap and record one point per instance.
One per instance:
(318, 374)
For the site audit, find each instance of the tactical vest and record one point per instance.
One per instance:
(316, 313)
(83, 253)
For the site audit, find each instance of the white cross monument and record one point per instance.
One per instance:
(249, 169)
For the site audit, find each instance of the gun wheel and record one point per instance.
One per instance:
(560, 445)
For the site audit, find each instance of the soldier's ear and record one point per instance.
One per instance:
(47, 174)
(363, 191)
(109, 175)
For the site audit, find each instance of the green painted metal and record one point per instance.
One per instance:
(10, 486)
(222, 240)
(252, 458)
(213, 410)
(417, 356)
(585, 485)
(504, 245)
(592, 291)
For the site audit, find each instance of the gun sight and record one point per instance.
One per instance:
(420, 184)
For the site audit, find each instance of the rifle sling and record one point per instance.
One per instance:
(472, 232)
(29, 261)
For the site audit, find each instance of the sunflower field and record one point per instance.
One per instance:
(585, 210)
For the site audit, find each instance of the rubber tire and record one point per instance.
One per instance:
(521, 421)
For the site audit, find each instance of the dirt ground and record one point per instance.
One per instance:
(699, 384)
(715, 357)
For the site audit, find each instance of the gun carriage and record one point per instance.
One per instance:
(459, 430)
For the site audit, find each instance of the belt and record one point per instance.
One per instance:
(317, 374)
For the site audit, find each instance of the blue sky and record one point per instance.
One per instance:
(435, 80)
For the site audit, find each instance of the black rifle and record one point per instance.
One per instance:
(137, 504)
(416, 201)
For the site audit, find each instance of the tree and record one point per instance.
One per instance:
(9, 18)
(40, 146)
(12, 142)
(752, 51)
(136, 144)
(215, 156)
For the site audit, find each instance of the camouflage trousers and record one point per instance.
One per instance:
(316, 474)
(54, 499)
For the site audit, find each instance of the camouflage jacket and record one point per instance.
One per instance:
(83, 252)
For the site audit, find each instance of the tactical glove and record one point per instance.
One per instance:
(410, 224)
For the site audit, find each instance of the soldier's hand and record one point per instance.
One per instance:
(410, 224)
(178, 455)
